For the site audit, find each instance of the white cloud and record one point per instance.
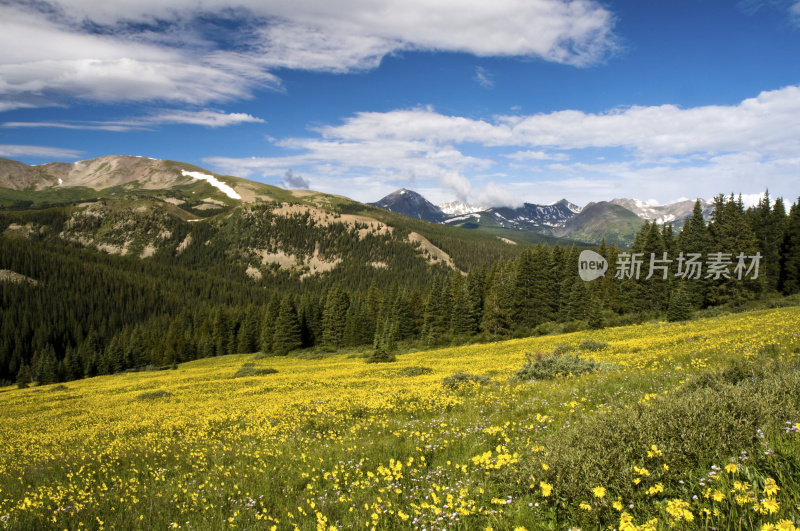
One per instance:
(483, 77)
(457, 183)
(205, 118)
(495, 194)
(12, 150)
(48, 50)
(295, 181)
(536, 155)
(769, 122)
(658, 152)
(794, 13)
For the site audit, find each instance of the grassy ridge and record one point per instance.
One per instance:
(683, 425)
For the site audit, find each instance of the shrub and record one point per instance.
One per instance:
(592, 345)
(59, 387)
(541, 366)
(381, 355)
(562, 349)
(153, 395)
(414, 371)
(249, 370)
(461, 379)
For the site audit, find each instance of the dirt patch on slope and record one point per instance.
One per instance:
(433, 254)
(6, 275)
(325, 218)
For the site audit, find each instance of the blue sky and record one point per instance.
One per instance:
(489, 102)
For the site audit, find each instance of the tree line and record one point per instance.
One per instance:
(96, 314)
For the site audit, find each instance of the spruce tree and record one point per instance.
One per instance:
(790, 257)
(694, 239)
(287, 335)
(24, 377)
(268, 323)
(334, 317)
(461, 322)
(731, 234)
(680, 308)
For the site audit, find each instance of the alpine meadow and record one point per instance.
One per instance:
(400, 265)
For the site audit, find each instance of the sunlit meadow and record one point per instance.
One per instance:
(691, 425)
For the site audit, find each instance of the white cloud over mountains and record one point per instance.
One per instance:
(666, 150)
(153, 50)
(16, 150)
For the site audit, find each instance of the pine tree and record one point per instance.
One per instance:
(221, 333)
(461, 322)
(334, 317)
(768, 225)
(72, 365)
(24, 378)
(268, 323)
(731, 234)
(385, 342)
(578, 302)
(495, 315)
(680, 308)
(790, 256)
(694, 239)
(287, 335)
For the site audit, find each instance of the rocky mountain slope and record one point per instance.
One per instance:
(182, 214)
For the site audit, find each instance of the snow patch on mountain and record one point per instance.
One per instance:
(464, 217)
(459, 208)
(213, 181)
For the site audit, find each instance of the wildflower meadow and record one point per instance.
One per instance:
(691, 425)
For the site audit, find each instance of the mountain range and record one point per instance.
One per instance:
(616, 220)
(124, 188)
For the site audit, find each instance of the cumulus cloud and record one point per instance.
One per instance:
(151, 50)
(295, 181)
(652, 152)
(12, 150)
(769, 122)
(495, 194)
(458, 184)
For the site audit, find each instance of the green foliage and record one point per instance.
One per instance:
(381, 355)
(592, 345)
(463, 379)
(287, 335)
(249, 369)
(414, 371)
(723, 412)
(679, 308)
(541, 366)
(153, 395)
(24, 377)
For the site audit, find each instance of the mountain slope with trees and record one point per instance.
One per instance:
(131, 279)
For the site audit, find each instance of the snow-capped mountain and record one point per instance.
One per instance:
(459, 208)
(530, 216)
(616, 221)
(674, 213)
